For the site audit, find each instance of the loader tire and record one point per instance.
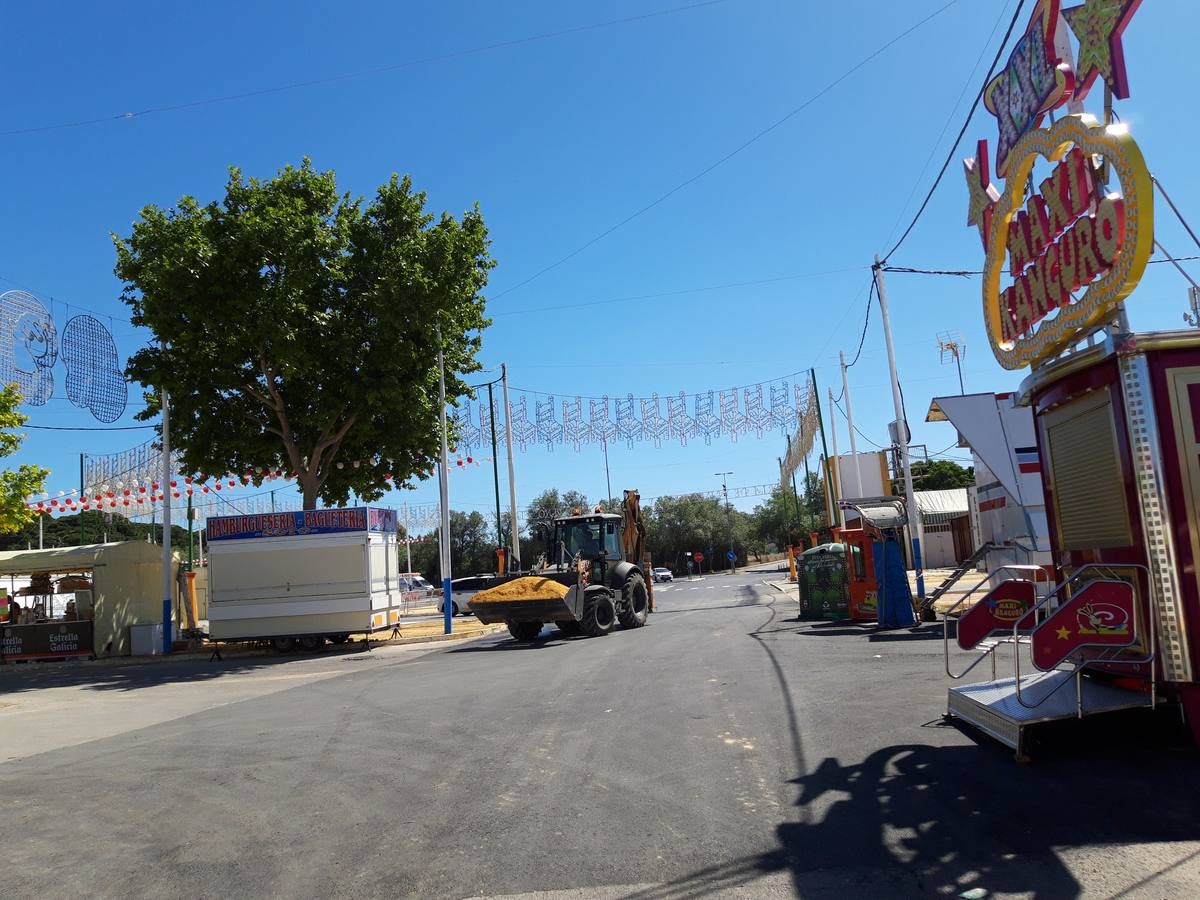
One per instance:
(599, 616)
(524, 631)
(569, 629)
(635, 604)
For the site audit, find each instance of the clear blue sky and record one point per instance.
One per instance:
(559, 139)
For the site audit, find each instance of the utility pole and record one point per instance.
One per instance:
(850, 424)
(729, 516)
(167, 636)
(444, 495)
(914, 517)
(515, 556)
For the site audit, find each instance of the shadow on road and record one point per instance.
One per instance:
(919, 820)
(136, 675)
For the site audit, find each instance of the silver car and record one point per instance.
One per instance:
(661, 574)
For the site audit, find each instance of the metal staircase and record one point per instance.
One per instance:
(1006, 708)
(925, 611)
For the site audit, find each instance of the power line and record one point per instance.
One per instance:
(966, 124)
(728, 156)
(861, 338)
(949, 118)
(675, 293)
(838, 406)
(88, 428)
(362, 73)
(962, 273)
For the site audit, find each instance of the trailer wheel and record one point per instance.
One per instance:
(635, 602)
(525, 631)
(568, 629)
(312, 642)
(599, 616)
(283, 644)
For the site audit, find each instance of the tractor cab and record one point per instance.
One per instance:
(593, 537)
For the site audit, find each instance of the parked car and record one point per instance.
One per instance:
(661, 574)
(463, 589)
(415, 582)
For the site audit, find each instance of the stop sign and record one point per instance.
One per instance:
(699, 557)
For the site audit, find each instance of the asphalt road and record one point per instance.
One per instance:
(725, 750)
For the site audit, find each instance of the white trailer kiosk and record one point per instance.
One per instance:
(303, 577)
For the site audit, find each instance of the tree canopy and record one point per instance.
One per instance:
(941, 474)
(297, 328)
(16, 485)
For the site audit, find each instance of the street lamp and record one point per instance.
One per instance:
(729, 515)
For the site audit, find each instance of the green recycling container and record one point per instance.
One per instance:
(824, 583)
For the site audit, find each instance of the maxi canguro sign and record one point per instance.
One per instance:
(290, 524)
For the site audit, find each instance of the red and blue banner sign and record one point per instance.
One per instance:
(998, 611)
(303, 522)
(1100, 615)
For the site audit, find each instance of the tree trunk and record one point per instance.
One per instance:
(310, 486)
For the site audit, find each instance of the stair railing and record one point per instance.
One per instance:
(1111, 571)
(989, 653)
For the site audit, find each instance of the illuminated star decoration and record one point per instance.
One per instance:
(1098, 26)
(983, 194)
(1064, 634)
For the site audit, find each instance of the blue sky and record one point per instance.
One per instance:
(558, 139)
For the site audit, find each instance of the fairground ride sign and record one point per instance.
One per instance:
(1074, 249)
(1075, 220)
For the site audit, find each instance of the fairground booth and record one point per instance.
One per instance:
(1067, 234)
(91, 600)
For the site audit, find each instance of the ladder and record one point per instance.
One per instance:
(925, 610)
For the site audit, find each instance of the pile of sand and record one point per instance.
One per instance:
(527, 588)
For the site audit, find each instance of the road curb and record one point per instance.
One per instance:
(783, 587)
(227, 653)
(436, 638)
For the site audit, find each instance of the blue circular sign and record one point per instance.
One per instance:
(731, 556)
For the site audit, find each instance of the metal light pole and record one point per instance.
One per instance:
(607, 479)
(407, 540)
(729, 516)
(495, 466)
(914, 517)
(839, 515)
(444, 495)
(850, 423)
(515, 556)
(166, 520)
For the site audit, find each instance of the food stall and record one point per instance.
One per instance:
(79, 601)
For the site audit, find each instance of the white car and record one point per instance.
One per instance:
(463, 589)
(661, 574)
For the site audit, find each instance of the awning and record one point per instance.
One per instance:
(952, 501)
(879, 512)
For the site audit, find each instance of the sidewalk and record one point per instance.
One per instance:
(424, 631)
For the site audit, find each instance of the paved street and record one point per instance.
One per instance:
(725, 749)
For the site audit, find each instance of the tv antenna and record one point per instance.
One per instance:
(952, 346)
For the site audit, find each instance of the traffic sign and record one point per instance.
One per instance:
(730, 555)
(699, 557)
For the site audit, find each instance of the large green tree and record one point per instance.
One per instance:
(16, 485)
(550, 504)
(297, 327)
(941, 474)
